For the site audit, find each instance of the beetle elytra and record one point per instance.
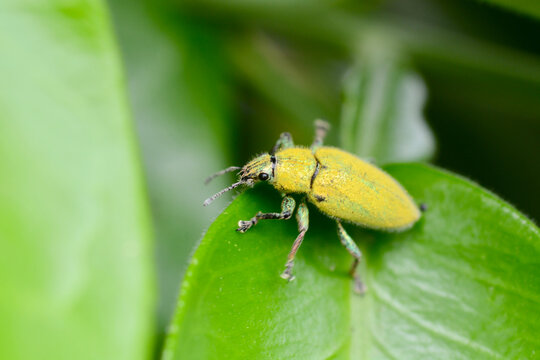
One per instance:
(339, 184)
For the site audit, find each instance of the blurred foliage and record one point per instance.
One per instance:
(178, 91)
(527, 7)
(75, 254)
(382, 111)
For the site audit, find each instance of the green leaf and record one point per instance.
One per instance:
(382, 111)
(233, 303)
(176, 74)
(461, 284)
(75, 255)
(527, 7)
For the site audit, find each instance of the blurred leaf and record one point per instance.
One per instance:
(469, 266)
(462, 284)
(382, 112)
(528, 7)
(485, 129)
(74, 228)
(269, 68)
(234, 305)
(178, 90)
(345, 30)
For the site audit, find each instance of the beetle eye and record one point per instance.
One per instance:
(263, 176)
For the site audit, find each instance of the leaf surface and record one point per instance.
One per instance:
(234, 304)
(460, 284)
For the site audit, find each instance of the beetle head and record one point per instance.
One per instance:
(259, 169)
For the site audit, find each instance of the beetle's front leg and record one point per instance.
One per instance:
(302, 216)
(287, 207)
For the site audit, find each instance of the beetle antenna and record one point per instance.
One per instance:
(227, 170)
(215, 196)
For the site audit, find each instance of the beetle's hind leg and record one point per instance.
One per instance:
(321, 129)
(285, 141)
(353, 249)
(302, 216)
(287, 207)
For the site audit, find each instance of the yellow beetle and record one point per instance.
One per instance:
(341, 185)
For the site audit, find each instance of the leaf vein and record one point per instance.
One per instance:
(426, 325)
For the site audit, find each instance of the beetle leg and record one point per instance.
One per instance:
(353, 249)
(285, 141)
(321, 129)
(302, 216)
(287, 207)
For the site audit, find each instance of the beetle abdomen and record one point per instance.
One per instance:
(351, 189)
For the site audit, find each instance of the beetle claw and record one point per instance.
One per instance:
(287, 275)
(359, 287)
(244, 226)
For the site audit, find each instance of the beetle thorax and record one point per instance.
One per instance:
(294, 169)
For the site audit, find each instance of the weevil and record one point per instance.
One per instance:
(341, 185)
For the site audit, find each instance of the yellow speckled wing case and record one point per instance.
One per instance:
(349, 188)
